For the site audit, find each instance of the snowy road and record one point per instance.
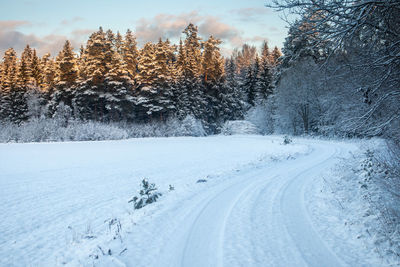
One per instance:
(256, 219)
(251, 211)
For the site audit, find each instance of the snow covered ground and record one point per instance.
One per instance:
(67, 203)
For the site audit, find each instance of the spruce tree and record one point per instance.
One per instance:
(8, 83)
(24, 68)
(265, 75)
(65, 82)
(249, 85)
(48, 68)
(66, 65)
(130, 54)
(118, 87)
(37, 72)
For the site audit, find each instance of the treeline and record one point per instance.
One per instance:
(340, 70)
(111, 79)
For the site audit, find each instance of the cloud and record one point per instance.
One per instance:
(171, 26)
(257, 39)
(12, 24)
(164, 26)
(66, 22)
(251, 13)
(213, 26)
(10, 36)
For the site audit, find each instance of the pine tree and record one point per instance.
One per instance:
(164, 69)
(212, 73)
(181, 92)
(130, 54)
(118, 87)
(146, 65)
(233, 100)
(118, 43)
(146, 96)
(194, 102)
(249, 85)
(276, 54)
(96, 58)
(24, 68)
(66, 65)
(65, 82)
(8, 83)
(192, 52)
(90, 96)
(245, 58)
(48, 67)
(265, 75)
(212, 62)
(37, 72)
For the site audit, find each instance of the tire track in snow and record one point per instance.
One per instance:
(288, 233)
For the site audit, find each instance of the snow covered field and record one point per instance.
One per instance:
(57, 201)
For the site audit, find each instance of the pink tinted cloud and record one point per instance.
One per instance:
(66, 22)
(171, 26)
(10, 36)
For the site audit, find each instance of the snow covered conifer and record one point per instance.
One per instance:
(8, 83)
(147, 65)
(130, 54)
(48, 68)
(192, 52)
(265, 75)
(37, 72)
(66, 64)
(147, 195)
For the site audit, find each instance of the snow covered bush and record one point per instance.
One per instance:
(63, 128)
(147, 195)
(239, 127)
(190, 126)
(287, 140)
(262, 117)
(368, 189)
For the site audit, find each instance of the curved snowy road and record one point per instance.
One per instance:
(257, 218)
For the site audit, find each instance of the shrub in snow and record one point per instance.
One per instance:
(192, 127)
(262, 117)
(147, 195)
(61, 127)
(239, 127)
(287, 140)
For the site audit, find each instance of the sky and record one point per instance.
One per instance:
(46, 24)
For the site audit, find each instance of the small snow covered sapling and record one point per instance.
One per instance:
(148, 195)
(286, 140)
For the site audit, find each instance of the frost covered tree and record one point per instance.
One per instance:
(367, 33)
(66, 76)
(297, 98)
(66, 65)
(112, 80)
(37, 71)
(8, 83)
(130, 54)
(265, 75)
(49, 73)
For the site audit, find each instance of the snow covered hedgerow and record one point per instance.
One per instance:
(239, 127)
(148, 194)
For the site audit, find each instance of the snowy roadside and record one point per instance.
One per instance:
(343, 205)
